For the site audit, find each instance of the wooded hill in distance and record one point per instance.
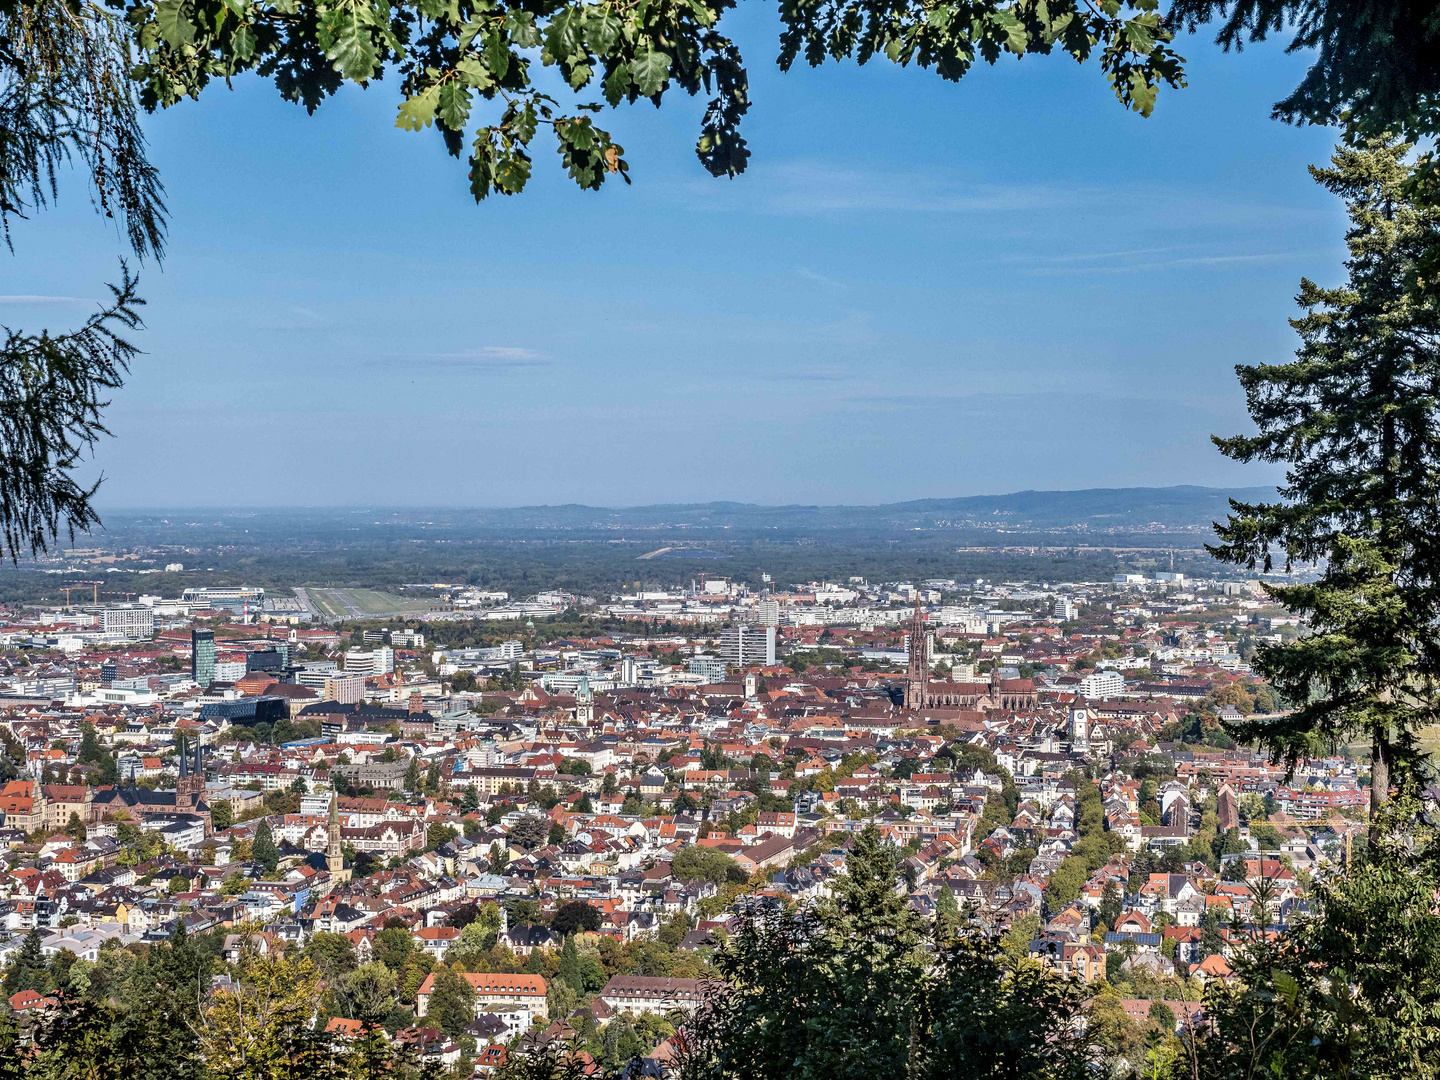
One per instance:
(1099, 512)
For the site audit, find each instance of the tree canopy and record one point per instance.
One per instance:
(1355, 418)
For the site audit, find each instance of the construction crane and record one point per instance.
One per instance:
(95, 586)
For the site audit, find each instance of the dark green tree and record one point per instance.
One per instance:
(28, 967)
(574, 917)
(570, 965)
(263, 850)
(452, 1002)
(1212, 943)
(529, 832)
(1352, 990)
(1355, 419)
(222, 815)
(856, 987)
(1110, 901)
(1372, 60)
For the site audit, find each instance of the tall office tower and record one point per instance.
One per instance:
(202, 656)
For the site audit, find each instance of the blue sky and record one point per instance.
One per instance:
(919, 289)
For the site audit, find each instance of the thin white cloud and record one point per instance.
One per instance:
(302, 319)
(1170, 264)
(820, 279)
(817, 188)
(485, 358)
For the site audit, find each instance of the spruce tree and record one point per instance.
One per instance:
(1354, 417)
(570, 965)
(1110, 905)
(28, 968)
(264, 850)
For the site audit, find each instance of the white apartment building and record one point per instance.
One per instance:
(370, 663)
(744, 646)
(767, 612)
(128, 622)
(1102, 684)
(229, 670)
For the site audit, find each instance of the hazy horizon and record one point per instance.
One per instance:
(242, 508)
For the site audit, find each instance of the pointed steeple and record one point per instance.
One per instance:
(334, 856)
(184, 760)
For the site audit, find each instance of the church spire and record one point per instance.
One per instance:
(917, 675)
(334, 857)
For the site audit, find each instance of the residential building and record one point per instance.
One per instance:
(745, 646)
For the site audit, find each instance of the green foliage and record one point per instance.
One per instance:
(452, 1002)
(264, 850)
(393, 946)
(28, 971)
(850, 989)
(575, 916)
(529, 832)
(1354, 418)
(706, 864)
(222, 815)
(1110, 904)
(438, 834)
(1352, 992)
(52, 387)
(468, 69)
(1370, 61)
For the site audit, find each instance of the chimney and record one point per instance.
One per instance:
(415, 704)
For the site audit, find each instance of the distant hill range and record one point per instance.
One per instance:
(1127, 510)
(1093, 511)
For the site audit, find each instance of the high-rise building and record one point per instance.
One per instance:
(1065, 608)
(767, 612)
(744, 646)
(229, 670)
(343, 687)
(271, 658)
(202, 656)
(132, 622)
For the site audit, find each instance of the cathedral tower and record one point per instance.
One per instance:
(917, 676)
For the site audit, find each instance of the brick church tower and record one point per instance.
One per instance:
(917, 676)
(191, 786)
